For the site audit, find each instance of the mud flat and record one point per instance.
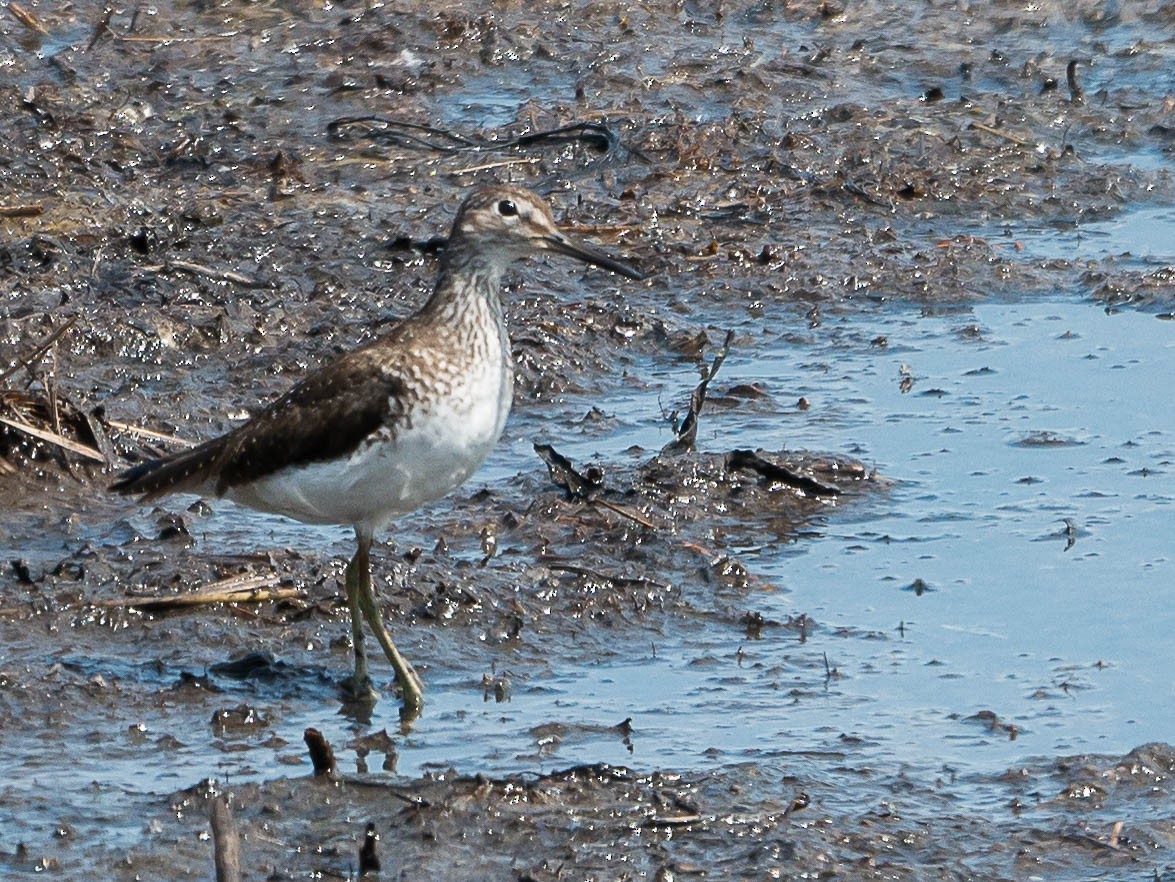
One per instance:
(933, 244)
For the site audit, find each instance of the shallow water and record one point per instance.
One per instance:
(1013, 578)
(1050, 414)
(1020, 426)
(1021, 417)
(1142, 236)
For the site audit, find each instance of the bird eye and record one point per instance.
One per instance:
(506, 208)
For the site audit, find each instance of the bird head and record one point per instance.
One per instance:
(507, 223)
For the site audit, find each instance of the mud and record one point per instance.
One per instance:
(754, 821)
(172, 184)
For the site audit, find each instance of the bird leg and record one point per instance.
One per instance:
(360, 685)
(363, 601)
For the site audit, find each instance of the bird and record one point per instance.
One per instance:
(392, 425)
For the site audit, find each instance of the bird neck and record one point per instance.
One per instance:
(468, 284)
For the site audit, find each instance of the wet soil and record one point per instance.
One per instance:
(748, 822)
(185, 187)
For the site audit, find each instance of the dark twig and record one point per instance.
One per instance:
(687, 432)
(423, 137)
(625, 513)
(101, 29)
(585, 573)
(321, 754)
(1076, 93)
(778, 474)
(583, 487)
(40, 350)
(368, 857)
(564, 474)
(226, 842)
(27, 209)
(402, 132)
(54, 408)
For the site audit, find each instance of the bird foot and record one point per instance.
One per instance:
(359, 690)
(412, 696)
(360, 698)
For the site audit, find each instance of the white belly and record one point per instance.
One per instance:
(422, 458)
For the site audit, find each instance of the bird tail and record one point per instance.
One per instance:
(172, 474)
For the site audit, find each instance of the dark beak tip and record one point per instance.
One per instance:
(589, 255)
(621, 269)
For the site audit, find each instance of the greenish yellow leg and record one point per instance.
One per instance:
(411, 688)
(360, 686)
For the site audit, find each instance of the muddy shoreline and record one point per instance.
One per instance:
(191, 208)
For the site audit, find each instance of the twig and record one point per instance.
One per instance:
(101, 29)
(322, 756)
(368, 855)
(579, 486)
(208, 38)
(687, 433)
(423, 137)
(94, 263)
(40, 350)
(225, 841)
(54, 408)
(747, 459)
(148, 433)
(208, 272)
(625, 513)
(54, 438)
(418, 802)
(1076, 93)
(244, 588)
(28, 209)
(504, 163)
(586, 573)
(249, 589)
(565, 475)
(26, 18)
(1000, 133)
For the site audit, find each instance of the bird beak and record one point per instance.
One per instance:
(561, 244)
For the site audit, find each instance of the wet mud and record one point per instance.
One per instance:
(199, 202)
(609, 822)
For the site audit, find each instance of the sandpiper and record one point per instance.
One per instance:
(391, 425)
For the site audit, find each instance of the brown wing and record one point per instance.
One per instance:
(183, 471)
(327, 415)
